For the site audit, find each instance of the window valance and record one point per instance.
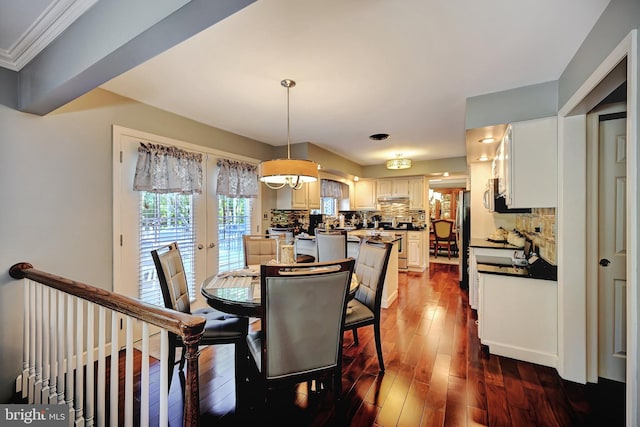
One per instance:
(237, 179)
(330, 188)
(165, 169)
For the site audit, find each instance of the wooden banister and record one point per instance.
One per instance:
(190, 328)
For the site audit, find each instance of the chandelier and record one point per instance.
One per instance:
(292, 172)
(399, 163)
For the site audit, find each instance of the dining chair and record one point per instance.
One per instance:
(288, 237)
(364, 308)
(260, 248)
(220, 328)
(302, 320)
(331, 245)
(444, 236)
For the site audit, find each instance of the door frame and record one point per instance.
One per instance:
(575, 305)
(593, 221)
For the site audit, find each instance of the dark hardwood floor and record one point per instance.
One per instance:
(437, 374)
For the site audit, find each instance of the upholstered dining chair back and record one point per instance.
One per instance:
(302, 322)
(285, 235)
(220, 328)
(364, 309)
(260, 248)
(443, 229)
(172, 277)
(331, 245)
(371, 269)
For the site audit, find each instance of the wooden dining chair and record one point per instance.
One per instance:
(444, 236)
(220, 328)
(331, 245)
(303, 313)
(364, 309)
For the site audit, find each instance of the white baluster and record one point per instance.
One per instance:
(32, 342)
(164, 378)
(37, 398)
(46, 346)
(102, 368)
(128, 376)
(79, 393)
(113, 384)
(68, 392)
(53, 328)
(26, 337)
(62, 380)
(90, 398)
(144, 377)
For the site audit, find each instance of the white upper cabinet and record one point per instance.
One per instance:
(288, 198)
(530, 151)
(393, 187)
(365, 194)
(416, 193)
(313, 194)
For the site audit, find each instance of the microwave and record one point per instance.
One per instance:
(495, 203)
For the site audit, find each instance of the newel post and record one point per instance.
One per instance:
(192, 385)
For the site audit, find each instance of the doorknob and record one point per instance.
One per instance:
(604, 262)
(200, 246)
(211, 245)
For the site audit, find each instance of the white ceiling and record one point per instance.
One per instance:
(361, 67)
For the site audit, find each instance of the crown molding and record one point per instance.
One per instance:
(56, 18)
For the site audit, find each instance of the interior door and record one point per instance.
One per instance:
(612, 253)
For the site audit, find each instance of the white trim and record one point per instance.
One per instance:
(56, 18)
(626, 48)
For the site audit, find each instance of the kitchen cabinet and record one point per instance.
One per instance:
(393, 187)
(308, 197)
(529, 174)
(474, 276)
(416, 193)
(365, 195)
(313, 194)
(518, 318)
(417, 251)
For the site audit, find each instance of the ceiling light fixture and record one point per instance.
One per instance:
(399, 163)
(292, 172)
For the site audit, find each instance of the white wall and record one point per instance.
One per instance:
(56, 189)
(484, 222)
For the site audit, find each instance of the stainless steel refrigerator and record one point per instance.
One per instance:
(463, 230)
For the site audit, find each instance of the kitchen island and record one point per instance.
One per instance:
(305, 244)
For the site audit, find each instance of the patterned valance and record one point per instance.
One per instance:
(164, 169)
(237, 179)
(330, 188)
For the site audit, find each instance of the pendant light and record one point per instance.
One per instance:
(292, 172)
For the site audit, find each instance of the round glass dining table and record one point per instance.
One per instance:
(238, 291)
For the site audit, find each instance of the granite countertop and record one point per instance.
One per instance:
(539, 269)
(484, 243)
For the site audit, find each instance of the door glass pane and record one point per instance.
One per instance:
(234, 220)
(165, 218)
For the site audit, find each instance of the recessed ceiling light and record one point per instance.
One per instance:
(379, 136)
(483, 158)
(445, 174)
(487, 140)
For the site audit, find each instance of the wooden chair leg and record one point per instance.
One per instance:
(355, 336)
(376, 332)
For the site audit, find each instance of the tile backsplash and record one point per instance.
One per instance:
(540, 227)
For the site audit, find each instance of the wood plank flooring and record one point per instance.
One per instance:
(437, 374)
